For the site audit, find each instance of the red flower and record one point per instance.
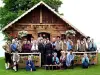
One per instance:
(11, 34)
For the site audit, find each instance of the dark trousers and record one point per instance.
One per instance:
(64, 65)
(48, 60)
(7, 57)
(16, 65)
(59, 54)
(43, 56)
(71, 66)
(85, 65)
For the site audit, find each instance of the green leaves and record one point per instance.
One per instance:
(14, 8)
(7, 37)
(6, 17)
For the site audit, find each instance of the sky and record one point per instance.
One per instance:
(83, 14)
(1, 4)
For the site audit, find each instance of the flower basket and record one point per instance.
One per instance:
(92, 57)
(76, 57)
(70, 32)
(35, 58)
(22, 33)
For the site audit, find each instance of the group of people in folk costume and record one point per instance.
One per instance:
(52, 52)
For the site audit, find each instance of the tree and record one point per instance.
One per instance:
(14, 8)
(15, 5)
(6, 17)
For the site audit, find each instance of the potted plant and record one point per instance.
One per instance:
(76, 58)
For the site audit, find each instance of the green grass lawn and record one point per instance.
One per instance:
(92, 70)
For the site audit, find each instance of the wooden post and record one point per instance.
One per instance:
(97, 60)
(40, 59)
(31, 26)
(41, 14)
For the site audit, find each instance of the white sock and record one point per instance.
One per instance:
(6, 66)
(14, 68)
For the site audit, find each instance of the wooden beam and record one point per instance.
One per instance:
(37, 30)
(36, 24)
(31, 26)
(41, 14)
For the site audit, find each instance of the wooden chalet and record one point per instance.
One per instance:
(41, 19)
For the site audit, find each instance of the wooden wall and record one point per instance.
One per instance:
(41, 19)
